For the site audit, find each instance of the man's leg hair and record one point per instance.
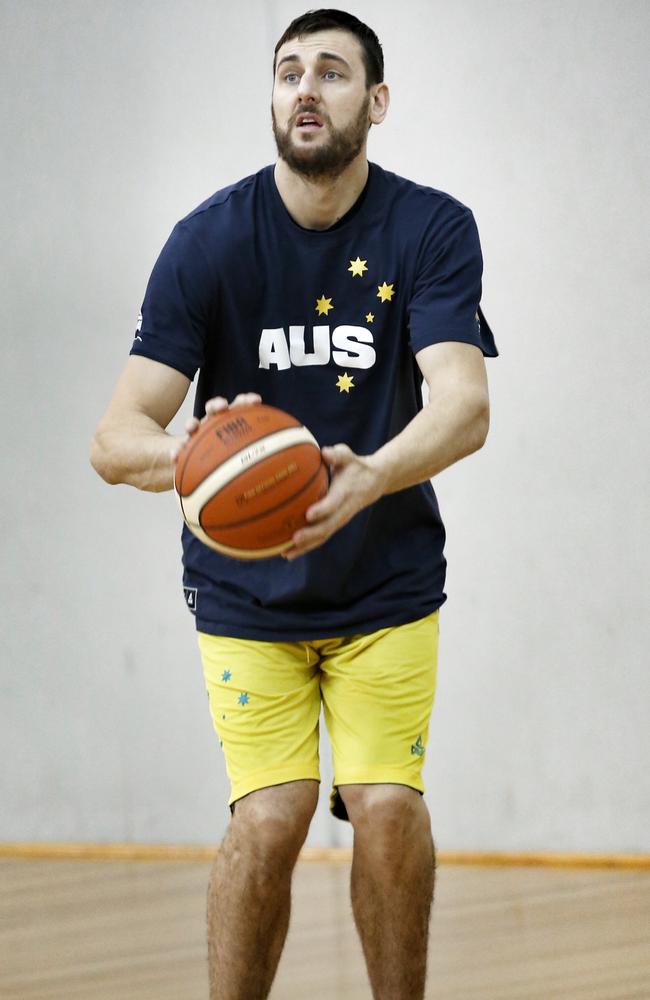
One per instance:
(392, 882)
(249, 895)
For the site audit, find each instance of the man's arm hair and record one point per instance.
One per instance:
(130, 444)
(452, 425)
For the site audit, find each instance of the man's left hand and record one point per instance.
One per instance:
(356, 482)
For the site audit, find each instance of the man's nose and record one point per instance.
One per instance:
(308, 88)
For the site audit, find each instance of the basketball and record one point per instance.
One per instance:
(245, 479)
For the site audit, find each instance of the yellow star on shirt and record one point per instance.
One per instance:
(385, 292)
(344, 383)
(369, 317)
(323, 305)
(357, 267)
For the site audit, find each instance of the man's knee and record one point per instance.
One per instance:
(387, 814)
(271, 824)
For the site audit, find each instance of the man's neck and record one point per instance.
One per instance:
(316, 204)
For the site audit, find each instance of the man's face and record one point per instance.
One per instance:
(320, 103)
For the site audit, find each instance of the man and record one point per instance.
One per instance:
(329, 288)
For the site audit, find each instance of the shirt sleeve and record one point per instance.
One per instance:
(178, 305)
(447, 288)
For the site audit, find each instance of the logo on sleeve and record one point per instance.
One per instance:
(138, 328)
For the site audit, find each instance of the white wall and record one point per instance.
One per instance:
(119, 118)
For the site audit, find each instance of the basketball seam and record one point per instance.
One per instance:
(273, 443)
(199, 439)
(193, 445)
(264, 513)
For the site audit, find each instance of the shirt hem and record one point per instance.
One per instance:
(305, 633)
(418, 343)
(155, 355)
(267, 778)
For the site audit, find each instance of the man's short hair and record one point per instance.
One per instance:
(326, 19)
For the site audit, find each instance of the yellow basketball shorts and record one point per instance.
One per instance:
(377, 692)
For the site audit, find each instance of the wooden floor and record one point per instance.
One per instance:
(115, 930)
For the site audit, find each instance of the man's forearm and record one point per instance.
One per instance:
(137, 453)
(450, 427)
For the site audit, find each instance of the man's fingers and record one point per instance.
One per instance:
(180, 440)
(215, 405)
(244, 398)
(337, 454)
(219, 403)
(301, 548)
(191, 426)
(308, 538)
(323, 508)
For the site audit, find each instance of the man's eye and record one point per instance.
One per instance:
(331, 74)
(291, 77)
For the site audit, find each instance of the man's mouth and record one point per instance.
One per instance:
(308, 122)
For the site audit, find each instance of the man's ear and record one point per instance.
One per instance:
(379, 102)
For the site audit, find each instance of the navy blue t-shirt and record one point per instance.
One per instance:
(324, 324)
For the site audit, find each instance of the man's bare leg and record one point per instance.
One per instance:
(393, 870)
(249, 895)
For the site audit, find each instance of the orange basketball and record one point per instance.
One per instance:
(245, 479)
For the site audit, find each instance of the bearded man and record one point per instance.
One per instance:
(330, 288)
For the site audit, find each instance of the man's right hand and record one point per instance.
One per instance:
(215, 405)
(131, 444)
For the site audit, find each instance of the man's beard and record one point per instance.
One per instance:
(328, 159)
